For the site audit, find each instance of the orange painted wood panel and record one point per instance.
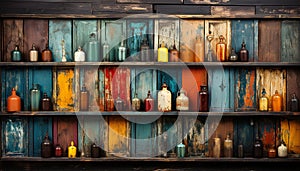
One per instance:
(290, 130)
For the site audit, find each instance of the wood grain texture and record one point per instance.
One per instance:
(101, 89)
(151, 1)
(290, 44)
(269, 41)
(241, 2)
(244, 135)
(232, 10)
(263, 9)
(290, 135)
(182, 9)
(293, 85)
(121, 8)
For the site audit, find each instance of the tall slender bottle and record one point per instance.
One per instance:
(145, 51)
(258, 148)
(105, 51)
(13, 102)
(84, 99)
(199, 50)
(46, 147)
(228, 147)
(244, 54)
(16, 55)
(46, 54)
(221, 49)
(136, 103)
(164, 100)
(294, 105)
(121, 52)
(203, 99)
(276, 102)
(33, 54)
(149, 102)
(217, 147)
(263, 101)
(93, 49)
(35, 97)
(162, 54)
(109, 103)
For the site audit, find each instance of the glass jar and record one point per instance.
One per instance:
(294, 105)
(79, 55)
(136, 103)
(84, 99)
(233, 57)
(263, 101)
(182, 101)
(276, 102)
(46, 54)
(180, 150)
(16, 55)
(46, 102)
(162, 53)
(258, 148)
(35, 97)
(228, 147)
(203, 99)
(33, 54)
(174, 54)
(199, 50)
(149, 102)
(93, 49)
(244, 54)
(221, 49)
(46, 147)
(145, 51)
(164, 103)
(13, 102)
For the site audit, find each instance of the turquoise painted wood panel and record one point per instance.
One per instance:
(137, 31)
(172, 128)
(101, 92)
(245, 90)
(60, 30)
(221, 89)
(290, 41)
(112, 32)
(244, 135)
(15, 136)
(82, 29)
(38, 128)
(245, 30)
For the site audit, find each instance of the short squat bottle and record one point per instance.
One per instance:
(46, 102)
(136, 103)
(233, 57)
(272, 152)
(164, 97)
(174, 54)
(35, 97)
(221, 49)
(276, 102)
(282, 150)
(162, 54)
(95, 151)
(203, 99)
(294, 105)
(182, 101)
(119, 104)
(58, 151)
(13, 102)
(79, 55)
(84, 99)
(72, 150)
(46, 147)
(263, 101)
(149, 102)
(243, 53)
(16, 55)
(145, 51)
(33, 54)
(258, 148)
(46, 54)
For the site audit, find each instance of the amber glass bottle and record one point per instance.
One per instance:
(276, 102)
(46, 54)
(174, 54)
(263, 101)
(221, 49)
(228, 147)
(46, 102)
(203, 99)
(186, 54)
(46, 147)
(244, 54)
(149, 102)
(136, 103)
(199, 50)
(13, 102)
(84, 99)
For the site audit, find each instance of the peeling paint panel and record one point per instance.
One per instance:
(290, 44)
(290, 131)
(244, 135)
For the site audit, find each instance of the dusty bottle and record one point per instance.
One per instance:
(84, 99)
(258, 148)
(46, 147)
(199, 50)
(186, 54)
(282, 150)
(16, 55)
(13, 102)
(182, 101)
(164, 103)
(294, 105)
(145, 51)
(217, 148)
(136, 103)
(93, 49)
(149, 102)
(35, 97)
(119, 104)
(33, 54)
(95, 151)
(121, 52)
(263, 101)
(233, 57)
(162, 53)
(79, 55)
(174, 54)
(203, 99)
(46, 54)
(221, 49)
(58, 151)
(109, 103)
(272, 152)
(228, 147)
(276, 102)
(243, 53)
(46, 102)
(180, 150)
(72, 150)
(105, 51)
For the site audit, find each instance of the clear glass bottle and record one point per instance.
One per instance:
(258, 148)
(149, 102)
(164, 99)
(182, 101)
(93, 49)
(79, 55)
(121, 52)
(294, 105)
(276, 102)
(16, 55)
(244, 54)
(145, 51)
(46, 147)
(84, 99)
(13, 102)
(221, 49)
(119, 104)
(203, 99)
(199, 50)
(109, 103)
(136, 103)
(33, 54)
(35, 97)
(263, 101)
(162, 53)
(105, 51)
(174, 54)
(72, 150)
(46, 102)
(228, 147)
(46, 54)
(233, 57)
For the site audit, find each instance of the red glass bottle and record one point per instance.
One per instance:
(58, 151)
(149, 102)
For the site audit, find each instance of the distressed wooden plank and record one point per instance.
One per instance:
(182, 9)
(101, 90)
(277, 9)
(290, 44)
(13, 35)
(290, 135)
(166, 31)
(15, 137)
(217, 28)
(233, 10)
(245, 30)
(121, 8)
(244, 135)
(150, 1)
(65, 131)
(1, 41)
(221, 89)
(189, 31)
(111, 33)
(192, 79)
(293, 85)
(271, 80)
(63, 92)
(137, 31)
(241, 2)
(269, 41)
(60, 30)
(172, 128)
(245, 90)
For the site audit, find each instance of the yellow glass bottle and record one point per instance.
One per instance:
(72, 150)
(162, 53)
(276, 102)
(263, 101)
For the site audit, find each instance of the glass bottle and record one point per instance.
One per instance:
(294, 105)
(221, 49)
(72, 150)
(16, 55)
(119, 104)
(121, 52)
(33, 54)
(276, 102)
(58, 151)
(180, 150)
(203, 99)
(63, 51)
(199, 50)
(282, 150)
(13, 102)
(240, 151)
(93, 49)
(149, 102)
(164, 103)
(46, 147)
(244, 54)
(228, 147)
(105, 51)
(46, 54)
(272, 152)
(136, 103)
(84, 99)
(79, 55)
(145, 51)
(35, 97)
(95, 151)
(186, 54)
(46, 102)
(258, 148)
(233, 57)
(182, 101)
(109, 103)
(217, 148)
(162, 54)
(263, 101)
(174, 54)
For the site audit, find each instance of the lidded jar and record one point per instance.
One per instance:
(203, 99)
(93, 49)
(182, 101)
(33, 54)
(46, 147)
(79, 55)
(263, 101)
(162, 53)
(136, 103)
(46, 102)
(221, 49)
(164, 100)
(233, 57)
(16, 55)
(13, 102)
(294, 105)
(149, 102)
(46, 54)
(145, 51)
(258, 148)
(244, 54)
(174, 54)
(276, 102)
(35, 97)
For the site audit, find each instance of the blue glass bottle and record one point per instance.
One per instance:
(35, 97)
(16, 55)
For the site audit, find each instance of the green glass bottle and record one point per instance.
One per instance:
(16, 55)
(35, 97)
(93, 49)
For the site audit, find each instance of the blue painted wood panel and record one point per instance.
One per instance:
(245, 31)
(290, 44)
(244, 135)
(15, 136)
(137, 31)
(101, 91)
(60, 30)
(172, 128)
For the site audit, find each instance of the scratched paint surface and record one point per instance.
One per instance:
(290, 131)
(244, 135)
(290, 44)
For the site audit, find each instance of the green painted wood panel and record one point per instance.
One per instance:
(290, 44)
(60, 30)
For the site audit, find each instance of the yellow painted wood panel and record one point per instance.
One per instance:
(290, 131)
